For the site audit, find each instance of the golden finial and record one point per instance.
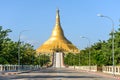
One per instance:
(57, 17)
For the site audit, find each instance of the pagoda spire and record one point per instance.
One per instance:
(57, 17)
(57, 32)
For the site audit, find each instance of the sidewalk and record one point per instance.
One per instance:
(13, 72)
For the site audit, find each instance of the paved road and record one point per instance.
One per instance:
(56, 74)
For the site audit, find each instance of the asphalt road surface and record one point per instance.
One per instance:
(56, 74)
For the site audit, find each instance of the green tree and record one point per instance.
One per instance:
(3, 39)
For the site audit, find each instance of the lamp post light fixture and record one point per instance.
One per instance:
(89, 50)
(100, 15)
(19, 49)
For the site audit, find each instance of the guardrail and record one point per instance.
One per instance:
(109, 69)
(21, 67)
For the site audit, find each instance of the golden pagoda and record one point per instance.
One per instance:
(57, 41)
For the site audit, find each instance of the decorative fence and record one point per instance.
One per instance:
(104, 69)
(109, 69)
(16, 67)
(87, 68)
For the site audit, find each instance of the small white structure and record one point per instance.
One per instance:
(58, 60)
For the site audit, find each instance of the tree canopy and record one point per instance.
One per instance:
(100, 53)
(9, 51)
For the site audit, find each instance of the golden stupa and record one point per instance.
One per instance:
(57, 41)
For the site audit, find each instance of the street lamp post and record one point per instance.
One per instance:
(100, 15)
(43, 59)
(19, 49)
(39, 60)
(79, 59)
(89, 51)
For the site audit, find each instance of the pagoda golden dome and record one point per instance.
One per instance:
(57, 41)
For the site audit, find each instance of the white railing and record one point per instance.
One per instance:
(87, 68)
(109, 69)
(21, 67)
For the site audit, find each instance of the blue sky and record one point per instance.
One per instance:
(78, 18)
